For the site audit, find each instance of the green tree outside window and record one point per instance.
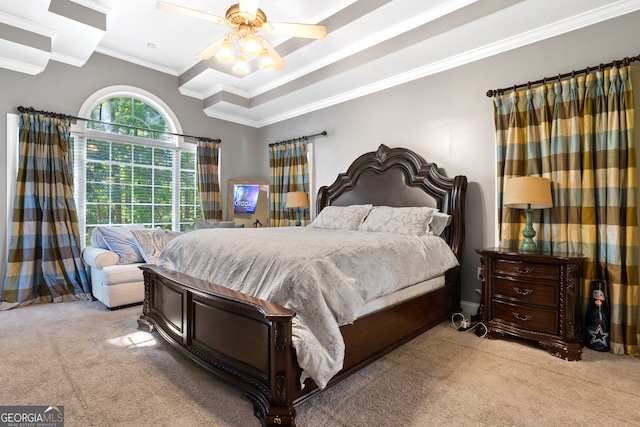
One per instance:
(134, 182)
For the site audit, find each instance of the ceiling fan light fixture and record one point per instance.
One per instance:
(226, 53)
(252, 46)
(266, 61)
(246, 20)
(241, 65)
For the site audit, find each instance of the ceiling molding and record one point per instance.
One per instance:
(23, 50)
(21, 36)
(370, 46)
(60, 30)
(79, 13)
(137, 61)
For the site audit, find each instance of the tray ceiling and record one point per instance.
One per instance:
(371, 45)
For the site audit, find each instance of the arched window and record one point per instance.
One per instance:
(130, 167)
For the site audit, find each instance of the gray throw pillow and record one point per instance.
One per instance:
(200, 224)
(119, 240)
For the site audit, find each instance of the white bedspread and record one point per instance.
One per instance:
(325, 276)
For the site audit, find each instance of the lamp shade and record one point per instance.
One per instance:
(297, 199)
(528, 190)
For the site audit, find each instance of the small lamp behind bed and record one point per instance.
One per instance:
(297, 200)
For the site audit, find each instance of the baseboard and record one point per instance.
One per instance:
(469, 308)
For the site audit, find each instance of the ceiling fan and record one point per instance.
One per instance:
(246, 20)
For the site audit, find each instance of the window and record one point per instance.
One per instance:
(130, 168)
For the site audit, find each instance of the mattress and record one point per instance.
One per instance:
(402, 295)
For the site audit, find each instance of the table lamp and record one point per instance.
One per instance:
(297, 200)
(528, 192)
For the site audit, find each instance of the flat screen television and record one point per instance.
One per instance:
(245, 198)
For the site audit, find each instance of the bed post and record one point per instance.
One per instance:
(277, 409)
(457, 231)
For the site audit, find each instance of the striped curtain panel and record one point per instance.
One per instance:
(578, 133)
(208, 180)
(289, 171)
(44, 262)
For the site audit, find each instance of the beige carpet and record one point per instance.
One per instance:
(105, 372)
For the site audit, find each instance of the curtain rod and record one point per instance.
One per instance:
(300, 138)
(73, 119)
(625, 61)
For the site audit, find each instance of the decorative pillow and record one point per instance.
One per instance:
(199, 224)
(119, 240)
(409, 220)
(97, 241)
(170, 235)
(341, 217)
(150, 243)
(438, 222)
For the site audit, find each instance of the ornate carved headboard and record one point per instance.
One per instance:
(399, 177)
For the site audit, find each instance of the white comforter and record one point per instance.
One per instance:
(325, 276)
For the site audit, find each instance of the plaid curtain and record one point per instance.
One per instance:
(579, 133)
(289, 172)
(208, 181)
(44, 262)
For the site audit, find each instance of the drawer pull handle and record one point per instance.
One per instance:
(526, 270)
(525, 292)
(524, 318)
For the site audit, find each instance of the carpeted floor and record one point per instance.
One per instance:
(105, 372)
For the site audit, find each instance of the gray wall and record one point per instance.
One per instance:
(446, 117)
(64, 88)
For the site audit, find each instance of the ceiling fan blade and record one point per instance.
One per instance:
(211, 50)
(278, 62)
(249, 8)
(296, 30)
(190, 12)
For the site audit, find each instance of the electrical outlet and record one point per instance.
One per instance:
(479, 274)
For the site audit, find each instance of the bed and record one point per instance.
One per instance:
(250, 341)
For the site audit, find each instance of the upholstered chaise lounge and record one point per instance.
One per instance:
(114, 285)
(117, 252)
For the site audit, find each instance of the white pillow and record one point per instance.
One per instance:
(438, 222)
(119, 240)
(341, 217)
(406, 220)
(150, 243)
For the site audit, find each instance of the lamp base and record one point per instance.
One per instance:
(529, 233)
(298, 222)
(528, 245)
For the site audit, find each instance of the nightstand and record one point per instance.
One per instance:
(535, 296)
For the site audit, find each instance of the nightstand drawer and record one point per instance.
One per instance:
(529, 318)
(527, 270)
(528, 293)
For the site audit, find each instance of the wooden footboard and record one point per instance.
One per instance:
(247, 341)
(244, 340)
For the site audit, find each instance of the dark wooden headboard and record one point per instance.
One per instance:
(399, 177)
